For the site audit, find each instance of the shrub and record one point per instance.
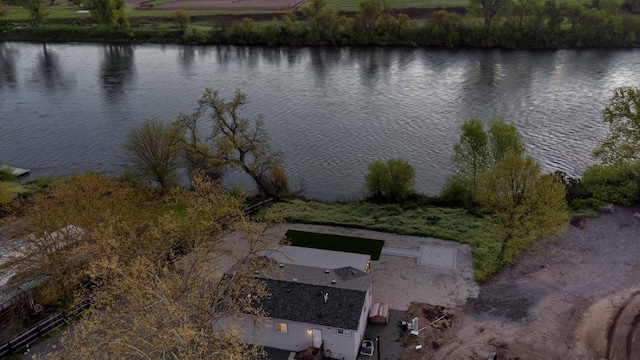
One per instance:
(618, 184)
(277, 181)
(574, 189)
(456, 191)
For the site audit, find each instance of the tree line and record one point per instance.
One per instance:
(487, 23)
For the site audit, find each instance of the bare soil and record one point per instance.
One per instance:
(572, 297)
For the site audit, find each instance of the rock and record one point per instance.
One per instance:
(637, 215)
(435, 344)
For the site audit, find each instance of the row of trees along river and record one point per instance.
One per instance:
(483, 23)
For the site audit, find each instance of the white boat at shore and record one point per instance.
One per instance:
(16, 171)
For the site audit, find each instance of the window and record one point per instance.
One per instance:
(281, 328)
(344, 332)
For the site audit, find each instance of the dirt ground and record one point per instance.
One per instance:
(572, 297)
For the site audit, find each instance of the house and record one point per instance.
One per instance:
(320, 258)
(316, 309)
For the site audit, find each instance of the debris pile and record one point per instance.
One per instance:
(437, 317)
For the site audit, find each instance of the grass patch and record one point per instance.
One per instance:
(336, 242)
(9, 190)
(443, 223)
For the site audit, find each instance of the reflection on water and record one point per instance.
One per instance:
(117, 69)
(49, 71)
(66, 108)
(7, 66)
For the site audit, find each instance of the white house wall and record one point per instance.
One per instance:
(298, 336)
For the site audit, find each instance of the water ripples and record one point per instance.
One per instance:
(67, 108)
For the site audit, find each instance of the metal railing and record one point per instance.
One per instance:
(42, 327)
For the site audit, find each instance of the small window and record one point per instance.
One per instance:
(344, 332)
(281, 328)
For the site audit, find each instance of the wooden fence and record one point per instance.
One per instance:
(56, 320)
(44, 326)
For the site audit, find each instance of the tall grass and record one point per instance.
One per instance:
(444, 223)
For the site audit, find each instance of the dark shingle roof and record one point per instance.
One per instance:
(300, 302)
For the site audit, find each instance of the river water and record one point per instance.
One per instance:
(66, 108)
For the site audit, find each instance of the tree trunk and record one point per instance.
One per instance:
(503, 248)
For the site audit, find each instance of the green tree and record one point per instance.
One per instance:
(182, 19)
(470, 154)
(233, 140)
(614, 183)
(153, 151)
(371, 10)
(502, 139)
(488, 9)
(110, 13)
(402, 177)
(36, 9)
(391, 181)
(376, 179)
(525, 203)
(245, 31)
(622, 115)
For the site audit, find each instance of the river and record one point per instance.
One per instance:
(67, 108)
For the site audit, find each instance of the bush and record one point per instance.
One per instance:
(277, 181)
(7, 175)
(617, 184)
(574, 189)
(390, 181)
(456, 191)
(591, 203)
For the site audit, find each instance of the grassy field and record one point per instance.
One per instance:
(336, 242)
(66, 11)
(444, 223)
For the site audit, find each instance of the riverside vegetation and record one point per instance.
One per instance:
(477, 23)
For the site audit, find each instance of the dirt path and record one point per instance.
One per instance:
(573, 297)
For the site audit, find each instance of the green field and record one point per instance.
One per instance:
(336, 242)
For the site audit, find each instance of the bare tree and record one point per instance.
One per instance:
(153, 151)
(233, 140)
